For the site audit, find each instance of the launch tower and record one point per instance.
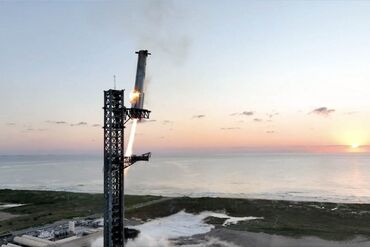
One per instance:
(116, 115)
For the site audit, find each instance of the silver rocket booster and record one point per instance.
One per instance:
(137, 96)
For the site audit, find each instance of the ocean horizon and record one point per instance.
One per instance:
(328, 177)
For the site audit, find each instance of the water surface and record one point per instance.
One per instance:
(319, 177)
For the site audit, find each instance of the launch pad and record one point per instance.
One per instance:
(116, 115)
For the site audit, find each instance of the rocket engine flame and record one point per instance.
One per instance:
(134, 96)
(130, 144)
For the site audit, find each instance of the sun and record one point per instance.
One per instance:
(354, 145)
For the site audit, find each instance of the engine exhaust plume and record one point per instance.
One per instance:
(131, 140)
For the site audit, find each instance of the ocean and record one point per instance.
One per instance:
(288, 176)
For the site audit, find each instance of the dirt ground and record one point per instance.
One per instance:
(6, 216)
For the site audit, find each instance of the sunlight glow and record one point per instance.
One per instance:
(354, 145)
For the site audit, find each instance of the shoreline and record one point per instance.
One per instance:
(211, 195)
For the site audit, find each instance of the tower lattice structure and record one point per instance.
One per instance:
(114, 116)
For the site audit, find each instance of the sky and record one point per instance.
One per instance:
(223, 75)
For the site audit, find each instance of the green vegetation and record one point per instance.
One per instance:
(325, 220)
(44, 207)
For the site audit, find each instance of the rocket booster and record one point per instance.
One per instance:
(137, 96)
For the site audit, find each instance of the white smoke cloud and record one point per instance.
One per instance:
(166, 231)
(149, 24)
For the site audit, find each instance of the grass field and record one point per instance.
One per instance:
(43, 207)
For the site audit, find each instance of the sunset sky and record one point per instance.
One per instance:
(256, 75)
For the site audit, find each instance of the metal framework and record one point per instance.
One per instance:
(135, 158)
(113, 168)
(115, 117)
(137, 113)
